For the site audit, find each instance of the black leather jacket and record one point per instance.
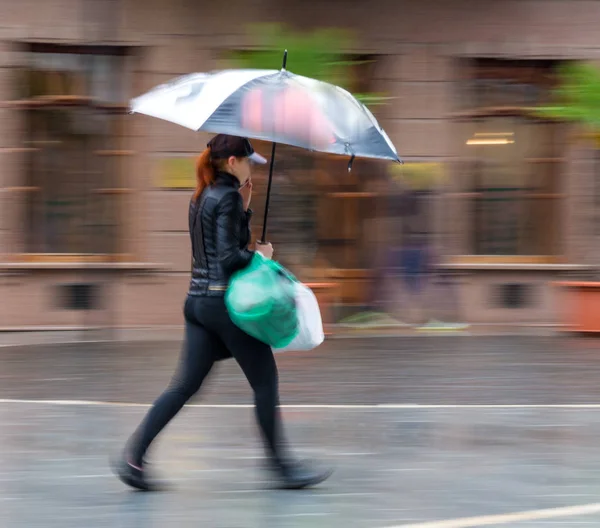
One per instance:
(220, 234)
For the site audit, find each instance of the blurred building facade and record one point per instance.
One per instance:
(93, 210)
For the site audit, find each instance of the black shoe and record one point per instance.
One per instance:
(135, 476)
(299, 475)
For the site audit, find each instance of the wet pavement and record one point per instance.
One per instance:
(419, 430)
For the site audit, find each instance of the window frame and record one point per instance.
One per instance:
(21, 105)
(466, 196)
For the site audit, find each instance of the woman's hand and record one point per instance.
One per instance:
(246, 192)
(266, 250)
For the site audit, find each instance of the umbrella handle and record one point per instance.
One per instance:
(263, 238)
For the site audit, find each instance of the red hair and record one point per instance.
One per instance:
(205, 172)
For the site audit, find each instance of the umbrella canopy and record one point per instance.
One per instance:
(271, 105)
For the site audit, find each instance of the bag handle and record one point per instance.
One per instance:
(277, 267)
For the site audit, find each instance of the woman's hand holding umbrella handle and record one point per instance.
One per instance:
(265, 249)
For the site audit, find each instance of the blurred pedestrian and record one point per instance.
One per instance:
(383, 261)
(219, 224)
(440, 300)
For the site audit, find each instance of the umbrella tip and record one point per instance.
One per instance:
(284, 59)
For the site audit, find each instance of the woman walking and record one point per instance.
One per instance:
(219, 224)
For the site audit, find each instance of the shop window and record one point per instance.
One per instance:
(71, 103)
(511, 160)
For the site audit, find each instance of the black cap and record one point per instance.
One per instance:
(222, 146)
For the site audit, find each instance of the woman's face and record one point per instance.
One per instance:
(241, 168)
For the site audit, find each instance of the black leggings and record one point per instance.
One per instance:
(210, 336)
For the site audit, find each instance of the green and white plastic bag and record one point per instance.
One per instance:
(266, 301)
(261, 300)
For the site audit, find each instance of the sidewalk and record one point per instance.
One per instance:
(175, 333)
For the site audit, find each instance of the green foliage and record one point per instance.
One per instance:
(320, 54)
(577, 98)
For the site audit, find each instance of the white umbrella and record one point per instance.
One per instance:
(271, 105)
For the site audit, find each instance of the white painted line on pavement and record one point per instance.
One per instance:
(505, 518)
(72, 403)
(317, 406)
